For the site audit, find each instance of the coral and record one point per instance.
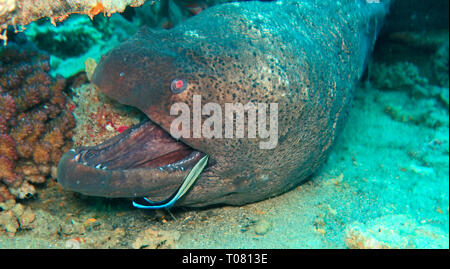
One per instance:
(31, 10)
(427, 116)
(396, 76)
(15, 216)
(7, 147)
(411, 60)
(407, 76)
(7, 6)
(7, 172)
(99, 117)
(35, 124)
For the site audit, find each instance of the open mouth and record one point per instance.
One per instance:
(145, 145)
(143, 160)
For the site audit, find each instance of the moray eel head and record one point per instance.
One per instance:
(145, 159)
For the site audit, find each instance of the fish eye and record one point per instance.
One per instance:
(178, 85)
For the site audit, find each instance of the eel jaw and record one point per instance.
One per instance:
(142, 161)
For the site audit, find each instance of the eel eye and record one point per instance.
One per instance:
(178, 85)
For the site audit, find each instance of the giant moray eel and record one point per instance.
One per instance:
(306, 56)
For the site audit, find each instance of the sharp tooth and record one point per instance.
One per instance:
(104, 167)
(77, 157)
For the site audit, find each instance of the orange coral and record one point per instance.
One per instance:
(7, 172)
(7, 147)
(41, 153)
(95, 10)
(35, 124)
(99, 117)
(7, 106)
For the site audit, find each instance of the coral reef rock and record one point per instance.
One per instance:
(11, 13)
(98, 117)
(15, 216)
(35, 120)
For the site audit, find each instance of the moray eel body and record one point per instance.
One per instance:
(305, 56)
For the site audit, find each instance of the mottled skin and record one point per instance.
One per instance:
(304, 55)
